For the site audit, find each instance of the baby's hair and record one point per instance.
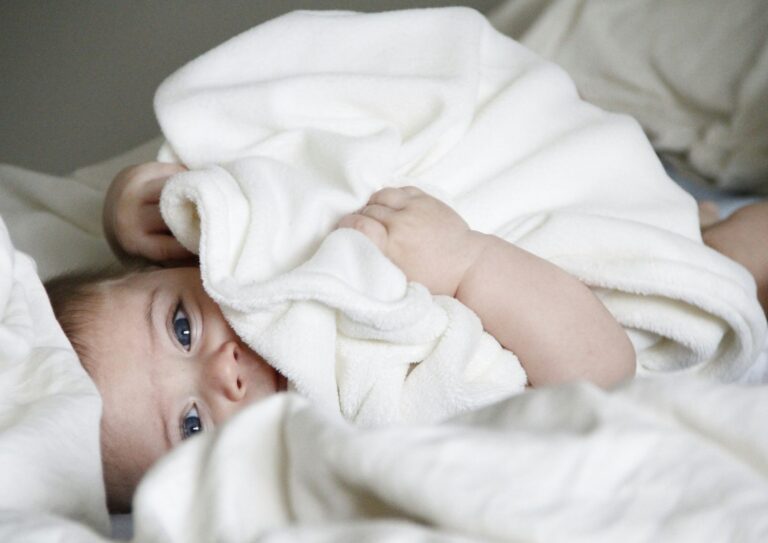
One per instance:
(75, 297)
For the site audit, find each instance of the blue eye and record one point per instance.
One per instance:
(182, 330)
(191, 423)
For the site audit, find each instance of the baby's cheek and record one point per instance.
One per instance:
(260, 378)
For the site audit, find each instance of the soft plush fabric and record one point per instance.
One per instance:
(695, 74)
(667, 459)
(671, 459)
(295, 123)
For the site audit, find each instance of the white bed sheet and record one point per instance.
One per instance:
(57, 221)
(49, 409)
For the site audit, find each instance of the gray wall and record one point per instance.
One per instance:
(77, 77)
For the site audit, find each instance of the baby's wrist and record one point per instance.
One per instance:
(476, 244)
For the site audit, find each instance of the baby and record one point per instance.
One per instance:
(168, 365)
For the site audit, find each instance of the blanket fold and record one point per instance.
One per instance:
(295, 123)
(679, 459)
(49, 412)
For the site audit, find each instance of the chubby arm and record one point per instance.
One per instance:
(554, 324)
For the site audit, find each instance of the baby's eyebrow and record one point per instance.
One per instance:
(160, 418)
(151, 330)
(166, 431)
(150, 312)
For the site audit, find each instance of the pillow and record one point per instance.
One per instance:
(57, 220)
(694, 74)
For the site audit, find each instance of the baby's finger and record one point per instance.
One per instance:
(412, 191)
(151, 220)
(163, 170)
(150, 191)
(390, 197)
(170, 168)
(369, 227)
(379, 212)
(162, 247)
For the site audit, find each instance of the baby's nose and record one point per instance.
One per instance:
(225, 371)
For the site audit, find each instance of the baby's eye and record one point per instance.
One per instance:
(191, 423)
(181, 327)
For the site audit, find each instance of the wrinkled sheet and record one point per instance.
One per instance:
(57, 221)
(287, 128)
(695, 74)
(47, 480)
(673, 459)
(49, 411)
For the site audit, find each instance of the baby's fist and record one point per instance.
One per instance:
(131, 217)
(423, 236)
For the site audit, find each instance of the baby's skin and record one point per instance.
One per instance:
(168, 365)
(557, 327)
(743, 237)
(131, 216)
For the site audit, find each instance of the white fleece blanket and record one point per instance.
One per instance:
(296, 122)
(693, 73)
(673, 459)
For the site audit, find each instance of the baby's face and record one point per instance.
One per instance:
(168, 366)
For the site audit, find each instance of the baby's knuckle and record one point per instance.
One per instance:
(162, 253)
(363, 224)
(129, 244)
(386, 191)
(413, 192)
(381, 195)
(123, 223)
(128, 171)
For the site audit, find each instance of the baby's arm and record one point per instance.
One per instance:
(554, 324)
(131, 217)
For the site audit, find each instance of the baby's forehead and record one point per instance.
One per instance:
(125, 369)
(145, 279)
(129, 297)
(119, 306)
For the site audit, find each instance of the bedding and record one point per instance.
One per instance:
(49, 409)
(694, 74)
(456, 108)
(56, 221)
(50, 485)
(672, 458)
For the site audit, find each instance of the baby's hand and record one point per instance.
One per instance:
(427, 239)
(132, 222)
